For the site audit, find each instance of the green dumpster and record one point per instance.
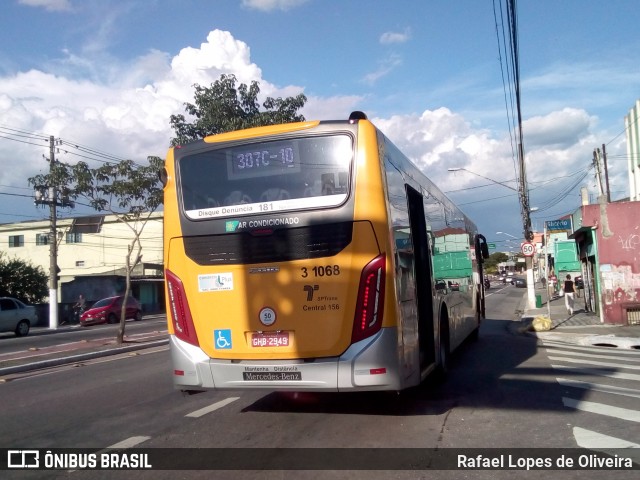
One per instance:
(538, 301)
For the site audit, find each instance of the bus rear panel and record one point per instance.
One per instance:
(312, 256)
(273, 278)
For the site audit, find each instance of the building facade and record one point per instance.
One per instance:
(608, 239)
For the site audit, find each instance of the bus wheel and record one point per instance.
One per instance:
(475, 334)
(443, 349)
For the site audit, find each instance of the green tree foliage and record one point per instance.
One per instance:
(491, 263)
(22, 280)
(223, 107)
(128, 191)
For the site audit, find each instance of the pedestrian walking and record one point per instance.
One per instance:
(569, 291)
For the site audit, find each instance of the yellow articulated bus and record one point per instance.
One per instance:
(313, 256)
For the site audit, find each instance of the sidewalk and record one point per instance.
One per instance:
(582, 328)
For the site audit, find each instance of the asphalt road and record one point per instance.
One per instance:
(503, 391)
(42, 337)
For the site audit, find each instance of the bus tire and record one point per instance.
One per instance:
(475, 334)
(444, 352)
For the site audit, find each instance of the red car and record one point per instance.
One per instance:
(108, 310)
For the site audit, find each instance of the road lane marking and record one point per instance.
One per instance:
(595, 356)
(130, 442)
(594, 440)
(553, 346)
(597, 372)
(629, 392)
(212, 408)
(599, 364)
(605, 443)
(602, 409)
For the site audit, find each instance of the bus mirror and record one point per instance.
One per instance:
(481, 247)
(163, 176)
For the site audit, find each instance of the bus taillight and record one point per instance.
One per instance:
(180, 312)
(368, 318)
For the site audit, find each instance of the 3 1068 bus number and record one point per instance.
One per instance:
(321, 271)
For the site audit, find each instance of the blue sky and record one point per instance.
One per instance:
(108, 74)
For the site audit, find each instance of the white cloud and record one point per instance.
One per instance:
(52, 5)
(125, 114)
(436, 140)
(332, 108)
(388, 38)
(562, 128)
(269, 5)
(385, 68)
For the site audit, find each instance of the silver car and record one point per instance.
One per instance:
(16, 317)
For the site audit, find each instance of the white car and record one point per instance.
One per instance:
(16, 317)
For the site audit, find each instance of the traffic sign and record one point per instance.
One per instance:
(491, 246)
(527, 249)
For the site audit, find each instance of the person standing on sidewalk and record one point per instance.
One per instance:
(569, 291)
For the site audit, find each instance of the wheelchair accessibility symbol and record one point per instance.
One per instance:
(222, 339)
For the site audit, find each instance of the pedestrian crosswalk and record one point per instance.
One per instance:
(603, 383)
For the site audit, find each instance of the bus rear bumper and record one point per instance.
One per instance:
(371, 364)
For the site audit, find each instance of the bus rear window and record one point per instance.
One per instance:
(266, 176)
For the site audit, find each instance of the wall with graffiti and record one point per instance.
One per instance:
(618, 235)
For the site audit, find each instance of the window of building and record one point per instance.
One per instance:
(42, 239)
(74, 237)
(80, 263)
(16, 241)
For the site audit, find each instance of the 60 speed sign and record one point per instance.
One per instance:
(527, 249)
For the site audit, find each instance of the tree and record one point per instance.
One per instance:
(491, 263)
(129, 192)
(22, 280)
(223, 108)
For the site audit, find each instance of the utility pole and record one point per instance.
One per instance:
(606, 174)
(596, 164)
(526, 224)
(48, 195)
(53, 243)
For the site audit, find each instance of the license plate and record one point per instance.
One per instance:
(270, 339)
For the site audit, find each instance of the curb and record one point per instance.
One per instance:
(581, 339)
(55, 362)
